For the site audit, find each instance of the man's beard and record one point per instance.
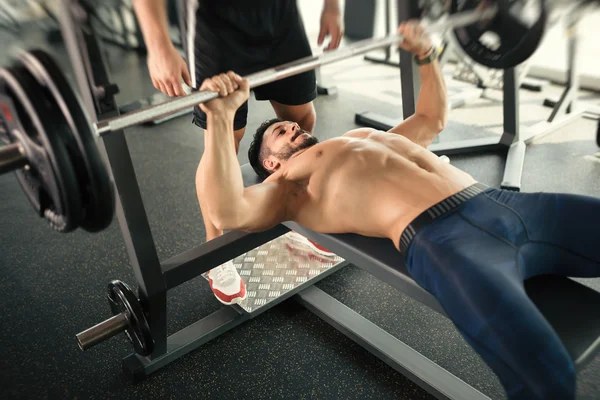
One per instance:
(289, 151)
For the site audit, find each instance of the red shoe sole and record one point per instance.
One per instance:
(229, 299)
(321, 249)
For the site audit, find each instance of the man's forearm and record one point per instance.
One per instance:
(223, 183)
(152, 17)
(331, 5)
(433, 101)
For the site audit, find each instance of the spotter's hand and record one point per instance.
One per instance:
(332, 25)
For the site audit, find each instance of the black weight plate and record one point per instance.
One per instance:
(123, 300)
(49, 182)
(519, 35)
(97, 191)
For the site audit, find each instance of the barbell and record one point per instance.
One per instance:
(50, 143)
(460, 18)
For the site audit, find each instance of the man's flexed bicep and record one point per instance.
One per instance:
(264, 206)
(419, 129)
(258, 208)
(431, 110)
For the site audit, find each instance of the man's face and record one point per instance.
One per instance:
(284, 139)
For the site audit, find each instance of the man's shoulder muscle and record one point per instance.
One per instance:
(359, 133)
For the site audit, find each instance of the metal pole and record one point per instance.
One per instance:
(283, 71)
(510, 102)
(129, 207)
(388, 28)
(410, 77)
(11, 158)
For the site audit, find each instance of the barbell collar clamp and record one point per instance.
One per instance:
(12, 157)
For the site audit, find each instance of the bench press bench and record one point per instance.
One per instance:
(155, 277)
(571, 308)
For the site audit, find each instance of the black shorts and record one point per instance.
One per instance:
(246, 37)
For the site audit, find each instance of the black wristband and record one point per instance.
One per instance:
(427, 60)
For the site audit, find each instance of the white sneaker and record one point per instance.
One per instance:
(226, 284)
(298, 238)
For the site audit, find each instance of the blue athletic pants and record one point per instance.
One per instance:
(475, 259)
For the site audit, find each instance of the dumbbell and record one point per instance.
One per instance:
(128, 316)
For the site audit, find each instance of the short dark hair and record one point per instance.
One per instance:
(257, 153)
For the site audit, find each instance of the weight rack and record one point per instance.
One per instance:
(512, 140)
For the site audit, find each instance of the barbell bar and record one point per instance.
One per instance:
(286, 70)
(102, 331)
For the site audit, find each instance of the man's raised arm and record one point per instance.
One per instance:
(431, 111)
(229, 204)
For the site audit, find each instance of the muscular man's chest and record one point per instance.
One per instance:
(307, 165)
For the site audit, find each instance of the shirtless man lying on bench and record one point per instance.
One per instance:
(470, 246)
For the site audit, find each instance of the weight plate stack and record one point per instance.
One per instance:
(97, 194)
(49, 179)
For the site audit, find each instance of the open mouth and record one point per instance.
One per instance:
(296, 135)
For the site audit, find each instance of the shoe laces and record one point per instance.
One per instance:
(225, 274)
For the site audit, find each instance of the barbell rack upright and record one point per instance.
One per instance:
(86, 59)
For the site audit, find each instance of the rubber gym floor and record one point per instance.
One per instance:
(53, 285)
